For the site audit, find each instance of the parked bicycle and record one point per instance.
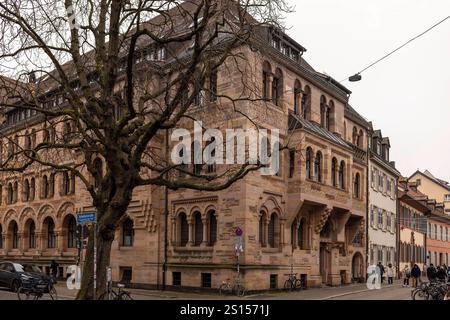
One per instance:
(35, 290)
(435, 290)
(112, 294)
(293, 283)
(228, 288)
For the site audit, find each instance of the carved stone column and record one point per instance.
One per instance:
(191, 233)
(205, 232)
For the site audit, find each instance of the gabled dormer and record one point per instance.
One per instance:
(385, 147)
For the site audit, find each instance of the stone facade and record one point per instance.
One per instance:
(309, 219)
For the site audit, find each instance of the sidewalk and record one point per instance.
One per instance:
(323, 293)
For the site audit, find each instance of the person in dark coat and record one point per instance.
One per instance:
(380, 266)
(441, 274)
(54, 267)
(415, 275)
(431, 273)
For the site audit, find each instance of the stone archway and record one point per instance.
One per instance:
(358, 267)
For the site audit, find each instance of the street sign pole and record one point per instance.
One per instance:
(91, 218)
(95, 260)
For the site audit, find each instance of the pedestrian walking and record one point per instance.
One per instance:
(54, 267)
(431, 273)
(390, 272)
(380, 266)
(406, 276)
(415, 275)
(441, 274)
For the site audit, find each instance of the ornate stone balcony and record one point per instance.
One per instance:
(359, 155)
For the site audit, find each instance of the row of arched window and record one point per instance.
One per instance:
(47, 188)
(69, 232)
(197, 230)
(14, 146)
(314, 171)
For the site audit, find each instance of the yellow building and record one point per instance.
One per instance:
(433, 187)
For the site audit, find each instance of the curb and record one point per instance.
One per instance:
(355, 292)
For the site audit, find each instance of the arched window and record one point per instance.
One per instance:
(308, 163)
(342, 175)
(273, 225)
(197, 157)
(71, 232)
(1, 237)
(330, 116)
(212, 228)
(211, 168)
(51, 236)
(277, 87)
(15, 235)
(184, 229)
(45, 187)
(16, 192)
(306, 103)
(267, 70)
(28, 144)
(301, 235)
(334, 172)
(323, 111)
(46, 135)
(32, 235)
(33, 138)
(360, 139)
(127, 233)
(318, 167)
(10, 193)
(262, 227)
(26, 190)
(355, 137)
(66, 183)
(297, 93)
(198, 229)
(98, 172)
(32, 189)
(357, 186)
(294, 233)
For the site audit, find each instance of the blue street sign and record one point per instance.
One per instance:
(86, 217)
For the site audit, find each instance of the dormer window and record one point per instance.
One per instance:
(386, 153)
(378, 147)
(276, 43)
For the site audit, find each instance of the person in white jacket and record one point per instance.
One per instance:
(390, 273)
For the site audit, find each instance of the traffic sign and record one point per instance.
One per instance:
(86, 217)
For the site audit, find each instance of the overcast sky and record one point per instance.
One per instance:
(407, 96)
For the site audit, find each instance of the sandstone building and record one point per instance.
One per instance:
(310, 218)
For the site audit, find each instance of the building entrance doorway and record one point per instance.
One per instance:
(357, 267)
(325, 263)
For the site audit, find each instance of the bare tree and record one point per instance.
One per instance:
(105, 78)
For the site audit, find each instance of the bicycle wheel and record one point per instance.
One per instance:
(24, 294)
(420, 295)
(298, 284)
(223, 289)
(239, 290)
(288, 285)
(52, 293)
(124, 296)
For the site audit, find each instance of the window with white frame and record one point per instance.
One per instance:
(447, 198)
(372, 216)
(373, 178)
(380, 182)
(388, 221)
(380, 218)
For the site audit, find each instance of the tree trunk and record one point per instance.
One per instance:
(104, 242)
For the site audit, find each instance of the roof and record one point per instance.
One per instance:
(427, 174)
(352, 114)
(298, 122)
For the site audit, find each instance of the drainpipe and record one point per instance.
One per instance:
(166, 217)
